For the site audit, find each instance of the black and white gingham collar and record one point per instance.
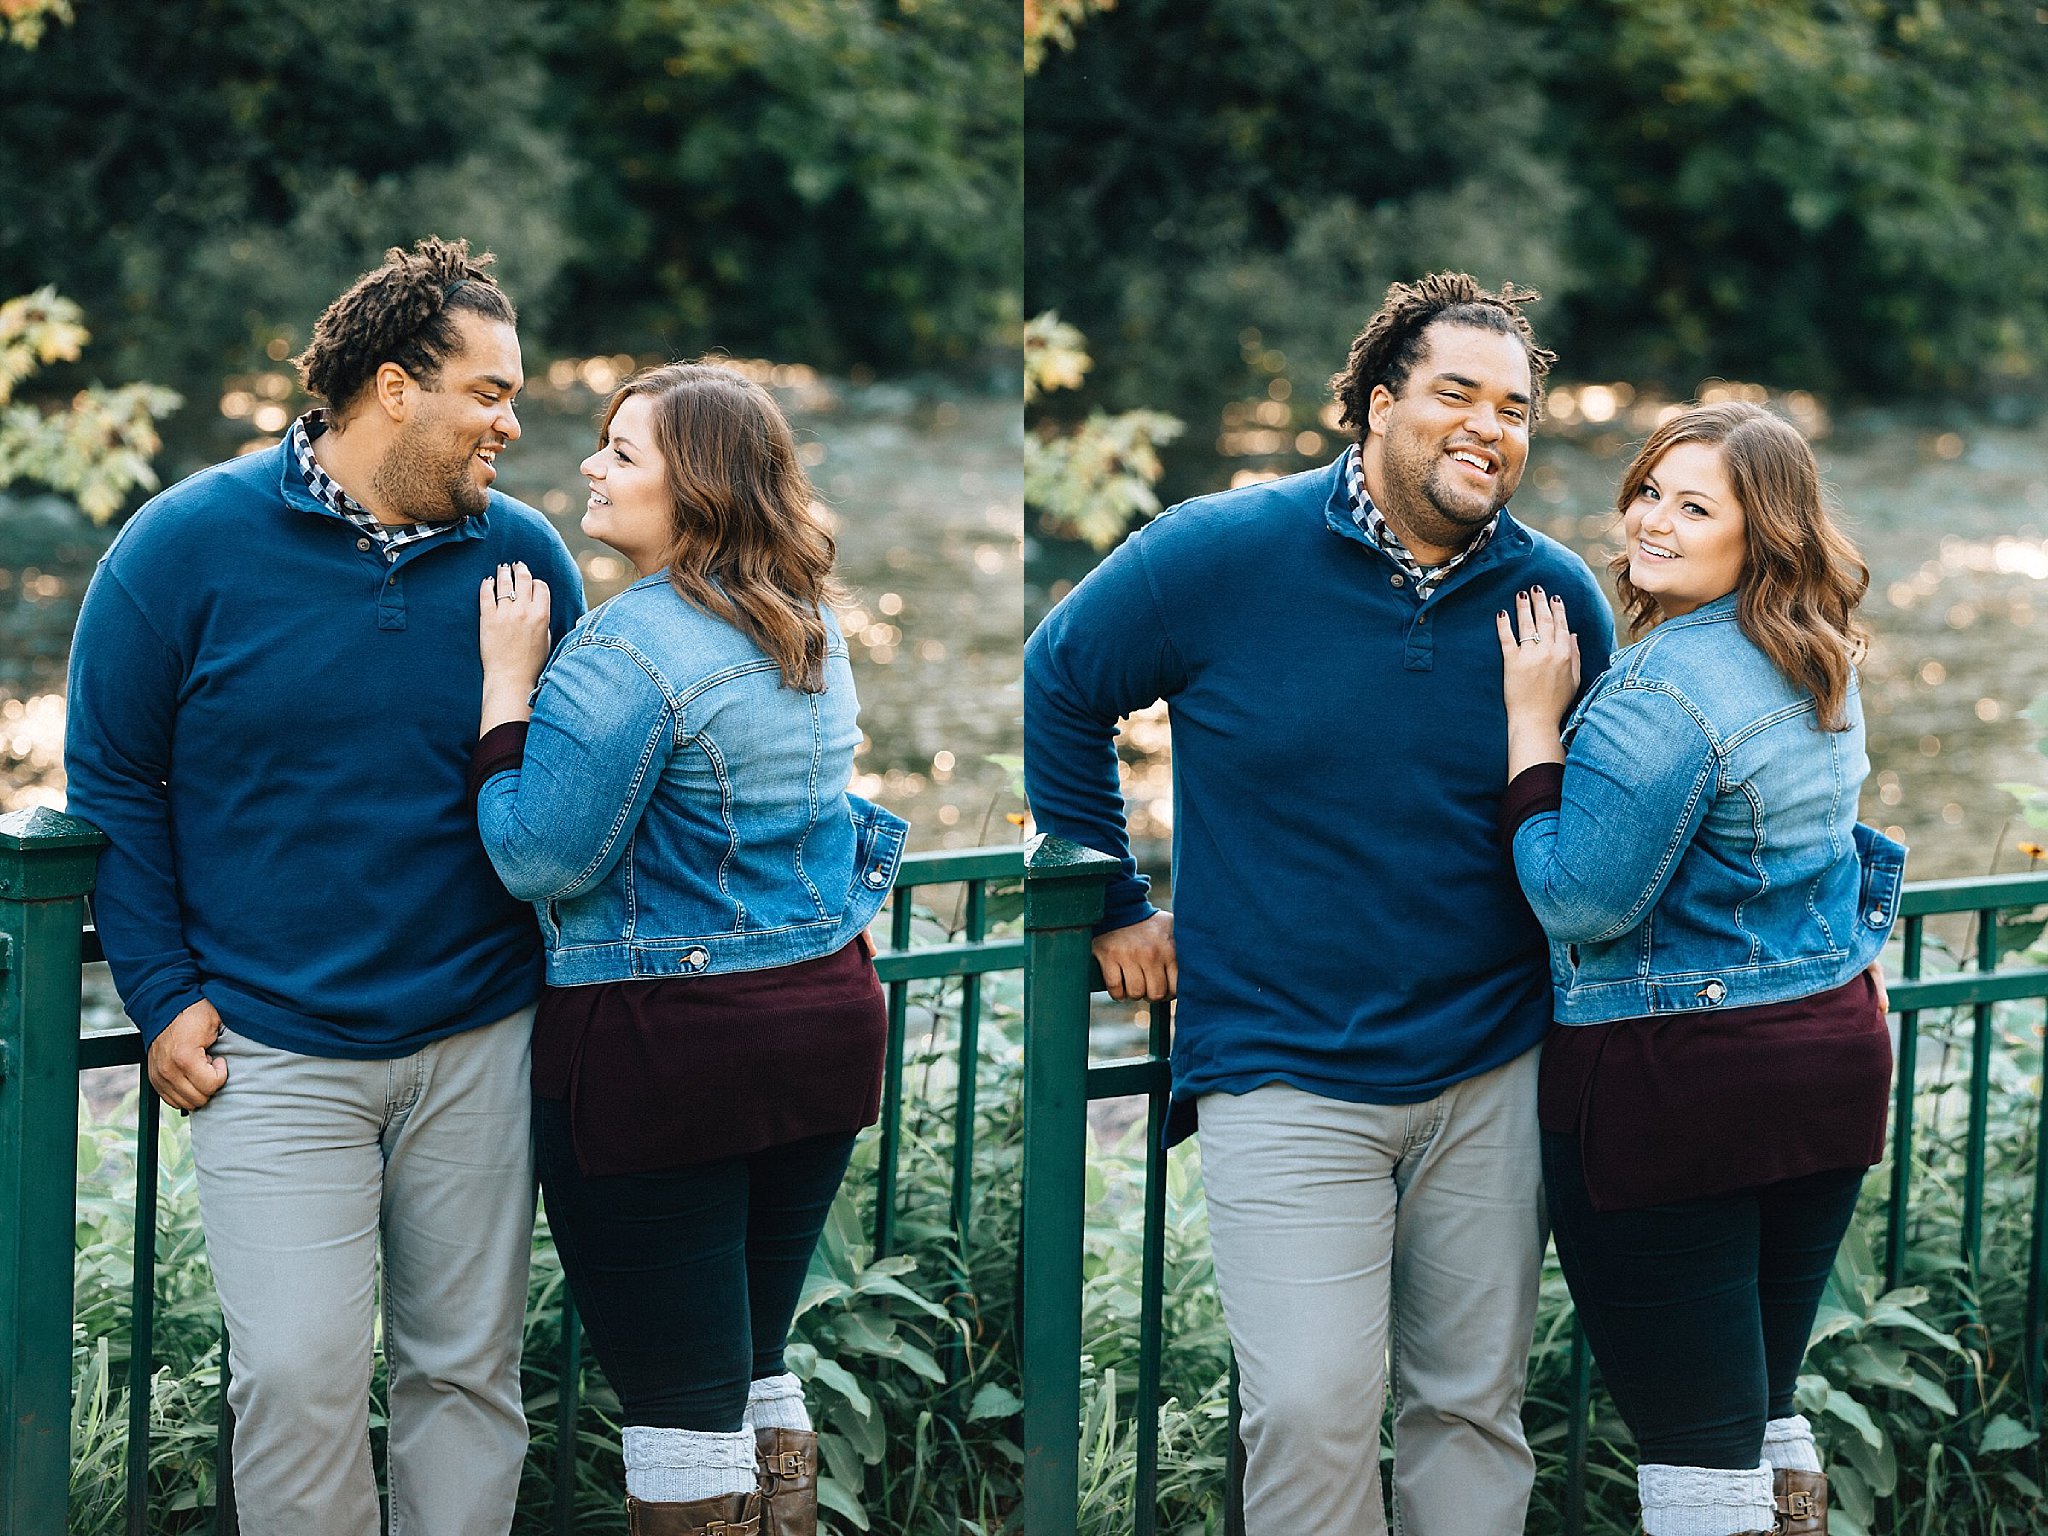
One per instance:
(1373, 523)
(391, 537)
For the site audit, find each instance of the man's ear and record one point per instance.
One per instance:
(1377, 405)
(394, 391)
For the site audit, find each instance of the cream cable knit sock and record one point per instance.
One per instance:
(1788, 1443)
(777, 1402)
(674, 1466)
(1704, 1501)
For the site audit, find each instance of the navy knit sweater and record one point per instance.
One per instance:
(1345, 917)
(271, 720)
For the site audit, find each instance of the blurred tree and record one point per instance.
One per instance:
(1221, 190)
(1846, 195)
(203, 175)
(96, 447)
(835, 180)
(1089, 481)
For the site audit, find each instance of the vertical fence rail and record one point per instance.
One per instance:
(46, 867)
(1902, 1111)
(142, 1306)
(1063, 897)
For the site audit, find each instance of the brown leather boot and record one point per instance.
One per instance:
(1802, 1499)
(730, 1514)
(788, 1459)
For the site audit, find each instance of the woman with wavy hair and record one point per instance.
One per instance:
(711, 1035)
(1716, 1083)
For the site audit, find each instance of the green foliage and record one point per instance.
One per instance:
(830, 179)
(95, 448)
(1052, 23)
(1088, 481)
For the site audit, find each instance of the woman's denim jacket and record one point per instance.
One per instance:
(679, 811)
(1707, 853)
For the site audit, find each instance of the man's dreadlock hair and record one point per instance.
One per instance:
(404, 313)
(1389, 347)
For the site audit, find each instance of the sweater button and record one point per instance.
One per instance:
(1397, 580)
(696, 959)
(362, 543)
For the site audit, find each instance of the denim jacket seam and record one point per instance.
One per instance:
(619, 819)
(703, 743)
(811, 807)
(1758, 815)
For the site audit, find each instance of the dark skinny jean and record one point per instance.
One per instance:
(1699, 1312)
(687, 1279)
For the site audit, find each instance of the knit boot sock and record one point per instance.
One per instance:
(677, 1466)
(788, 1456)
(1705, 1501)
(1788, 1443)
(777, 1402)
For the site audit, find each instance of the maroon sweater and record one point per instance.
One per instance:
(663, 1071)
(1686, 1106)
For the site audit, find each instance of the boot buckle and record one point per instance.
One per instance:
(789, 1464)
(1801, 1505)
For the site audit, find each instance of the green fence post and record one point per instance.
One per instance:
(1063, 886)
(46, 867)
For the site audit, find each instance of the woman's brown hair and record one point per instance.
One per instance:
(745, 544)
(1801, 577)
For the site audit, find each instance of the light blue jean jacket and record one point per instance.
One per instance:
(679, 811)
(1707, 853)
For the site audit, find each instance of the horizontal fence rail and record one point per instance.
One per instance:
(46, 866)
(1063, 900)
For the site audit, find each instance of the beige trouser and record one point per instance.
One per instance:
(1344, 1233)
(304, 1164)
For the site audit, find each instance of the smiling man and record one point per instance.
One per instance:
(274, 694)
(1362, 989)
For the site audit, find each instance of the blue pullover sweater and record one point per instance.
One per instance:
(272, 722)
(1345, 918)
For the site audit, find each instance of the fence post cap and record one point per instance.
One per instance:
(41, 827)
(46, 855)
(1055, 858)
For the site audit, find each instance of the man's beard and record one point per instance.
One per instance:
(1419, 485)
(427, 482)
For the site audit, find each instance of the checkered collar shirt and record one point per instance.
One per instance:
(1373, 523)
(390, 537)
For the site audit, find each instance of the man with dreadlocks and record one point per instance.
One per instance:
(1362, 989)
(275, 688)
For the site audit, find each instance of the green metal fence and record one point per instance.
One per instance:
(46, 869)
(1063, 899)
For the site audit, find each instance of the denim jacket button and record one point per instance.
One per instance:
(877, 878)
(1713, 992)
(1876, 917)
(696, 959)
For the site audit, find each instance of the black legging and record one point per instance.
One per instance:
(1698, 1313)
(687, 1279)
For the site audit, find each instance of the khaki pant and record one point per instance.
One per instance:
(1348, 1233)
(306, 1167)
